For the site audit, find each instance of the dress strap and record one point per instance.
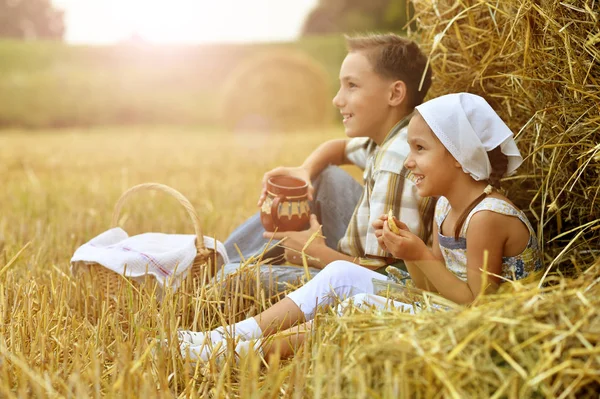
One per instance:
(442, 207)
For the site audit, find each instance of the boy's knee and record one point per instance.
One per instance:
(331, 176)
(331, 172)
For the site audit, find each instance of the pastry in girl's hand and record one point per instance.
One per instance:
(392, 224)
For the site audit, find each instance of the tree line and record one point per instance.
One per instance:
(348, 16)
(31, 19)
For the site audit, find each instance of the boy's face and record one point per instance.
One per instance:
(363, 98)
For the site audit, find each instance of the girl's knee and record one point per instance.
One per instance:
(338, 268)
(340, 273)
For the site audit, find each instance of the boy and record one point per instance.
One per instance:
(382, 79)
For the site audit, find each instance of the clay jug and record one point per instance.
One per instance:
(286, 206)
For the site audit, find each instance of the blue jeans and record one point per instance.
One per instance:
(335, 198)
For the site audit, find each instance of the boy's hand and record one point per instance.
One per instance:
(296, 240)
(404, 245)
(298, 172)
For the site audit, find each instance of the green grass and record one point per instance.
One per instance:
(50, 84)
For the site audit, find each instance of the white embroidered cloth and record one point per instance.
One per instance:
(167, 257)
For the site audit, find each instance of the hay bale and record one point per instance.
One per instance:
(523, 342)
(538, 64)
(277, 90)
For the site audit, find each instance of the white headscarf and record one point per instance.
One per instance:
(469, 127)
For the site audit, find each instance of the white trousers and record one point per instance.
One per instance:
(343, 280)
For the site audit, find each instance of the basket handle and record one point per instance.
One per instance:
(178, 196)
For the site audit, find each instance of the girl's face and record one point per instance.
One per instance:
(434, 168)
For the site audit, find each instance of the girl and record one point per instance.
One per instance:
(459, 150)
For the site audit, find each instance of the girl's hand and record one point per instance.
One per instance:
(405, 245)
(378, 226)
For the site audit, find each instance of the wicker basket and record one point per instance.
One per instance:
(204, 263)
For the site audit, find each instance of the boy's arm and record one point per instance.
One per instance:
(332, 152)
(324, 255)
(319, 254)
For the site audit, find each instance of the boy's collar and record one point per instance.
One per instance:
(397, 127)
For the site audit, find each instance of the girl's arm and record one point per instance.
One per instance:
(487, 232)
(394, 246)
(419, 278)
(484, 236)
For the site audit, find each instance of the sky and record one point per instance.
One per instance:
(183, 21)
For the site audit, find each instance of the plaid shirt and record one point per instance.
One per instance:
(387, 185)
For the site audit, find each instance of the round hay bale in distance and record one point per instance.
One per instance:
(277, 90)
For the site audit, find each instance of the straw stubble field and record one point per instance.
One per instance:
(535, 62)
(59, 189)
(60, 337)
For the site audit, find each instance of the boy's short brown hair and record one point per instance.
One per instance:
(395, 57)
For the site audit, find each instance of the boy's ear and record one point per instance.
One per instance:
(397, 93)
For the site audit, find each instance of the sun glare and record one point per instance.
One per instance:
(171, 21)
(183, 21)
